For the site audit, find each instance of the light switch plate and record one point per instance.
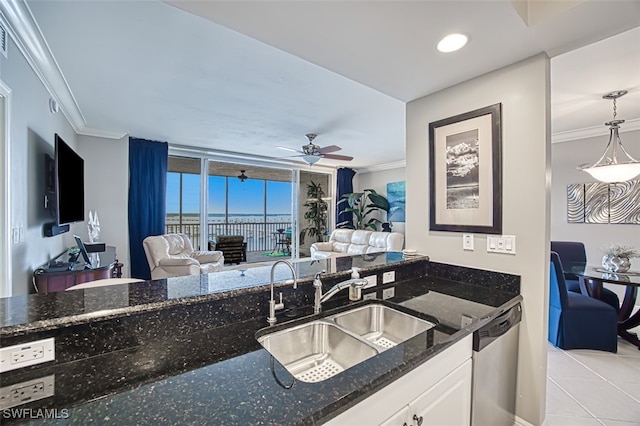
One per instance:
(505, 244)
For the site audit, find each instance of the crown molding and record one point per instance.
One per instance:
(19, 22)
(590, 132)
(385, 166)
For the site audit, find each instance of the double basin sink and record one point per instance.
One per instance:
(321, 348)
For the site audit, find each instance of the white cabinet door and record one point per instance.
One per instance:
(388, 402)
(401, 418)
(448, 402)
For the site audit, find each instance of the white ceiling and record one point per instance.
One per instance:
(255, 75)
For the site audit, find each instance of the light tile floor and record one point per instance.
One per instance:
(596, 388)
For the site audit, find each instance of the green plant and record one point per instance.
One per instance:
(362, 205)
(316, 213)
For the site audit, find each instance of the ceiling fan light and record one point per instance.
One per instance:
(311, 159)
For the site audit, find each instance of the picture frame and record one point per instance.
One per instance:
(465, 172)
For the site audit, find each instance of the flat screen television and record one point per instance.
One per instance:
(69, 183)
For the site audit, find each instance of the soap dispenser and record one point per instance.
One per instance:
(355, 292)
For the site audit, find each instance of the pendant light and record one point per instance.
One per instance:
(609, 168)
(242, 176)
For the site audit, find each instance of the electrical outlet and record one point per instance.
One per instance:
(29, 391)
(32, 353)
(388, 277)
(388, 293)
(372, 281)
(369, 296)
(467, 242)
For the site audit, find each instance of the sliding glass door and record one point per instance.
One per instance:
(183, 198)
(253, 202)
(277, 212)
(315, 209)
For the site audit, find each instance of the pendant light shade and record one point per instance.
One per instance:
(615, 164)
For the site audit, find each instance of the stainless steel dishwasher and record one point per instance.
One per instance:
(495, 364)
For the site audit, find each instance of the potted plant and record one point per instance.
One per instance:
(617, 258)
(362, 205)
(316, 213)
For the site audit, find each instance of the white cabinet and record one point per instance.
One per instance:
(399, 418)
(437, 392)
(446, 403)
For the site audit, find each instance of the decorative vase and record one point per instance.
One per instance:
(616, 264)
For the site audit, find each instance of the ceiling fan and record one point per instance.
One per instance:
(311, 152)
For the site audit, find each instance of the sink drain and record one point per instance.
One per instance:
(384, 342)
(320, 372)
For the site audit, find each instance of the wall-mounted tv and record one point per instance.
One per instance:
(69, 181)
(65, 187)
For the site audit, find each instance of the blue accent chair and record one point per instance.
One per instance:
(577, 321)
(574, 252)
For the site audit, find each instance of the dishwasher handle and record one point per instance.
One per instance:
(497, 327)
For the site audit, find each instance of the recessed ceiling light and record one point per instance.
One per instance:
(452, 42)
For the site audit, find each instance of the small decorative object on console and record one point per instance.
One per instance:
(617, 257)
(93, 227)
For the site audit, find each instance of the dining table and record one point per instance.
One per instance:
(592, 279)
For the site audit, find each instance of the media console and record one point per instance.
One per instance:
(48, 281)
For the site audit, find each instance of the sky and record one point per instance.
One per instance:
(244, 197)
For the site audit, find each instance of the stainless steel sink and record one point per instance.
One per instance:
(383, 326)
(317, 350)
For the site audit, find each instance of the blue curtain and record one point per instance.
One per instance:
(147, 198)
(344, 183)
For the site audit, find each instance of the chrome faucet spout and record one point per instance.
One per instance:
(355, 283)
(273, 306)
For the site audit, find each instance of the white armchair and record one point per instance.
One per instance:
(172, 255)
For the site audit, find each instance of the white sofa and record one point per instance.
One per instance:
(358, 241)
(172, 255)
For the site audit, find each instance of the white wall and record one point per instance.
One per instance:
(378, 180)
(32, 135)
(523, 90)
(565, 156)
(107, 191)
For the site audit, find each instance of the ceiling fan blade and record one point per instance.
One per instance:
(328, 149)
(337, 157)
(290, 149)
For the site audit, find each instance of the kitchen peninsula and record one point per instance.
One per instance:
(184, 350)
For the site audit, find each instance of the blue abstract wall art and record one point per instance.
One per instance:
(396, 194)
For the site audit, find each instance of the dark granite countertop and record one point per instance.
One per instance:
(221, 375)
(22, 314)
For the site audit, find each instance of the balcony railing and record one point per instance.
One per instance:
(259, 236)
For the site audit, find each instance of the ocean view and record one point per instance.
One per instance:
(188, 218)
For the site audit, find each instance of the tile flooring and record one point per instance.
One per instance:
(596, 388)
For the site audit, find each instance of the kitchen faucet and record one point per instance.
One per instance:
(273, 306)
(354, 285)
